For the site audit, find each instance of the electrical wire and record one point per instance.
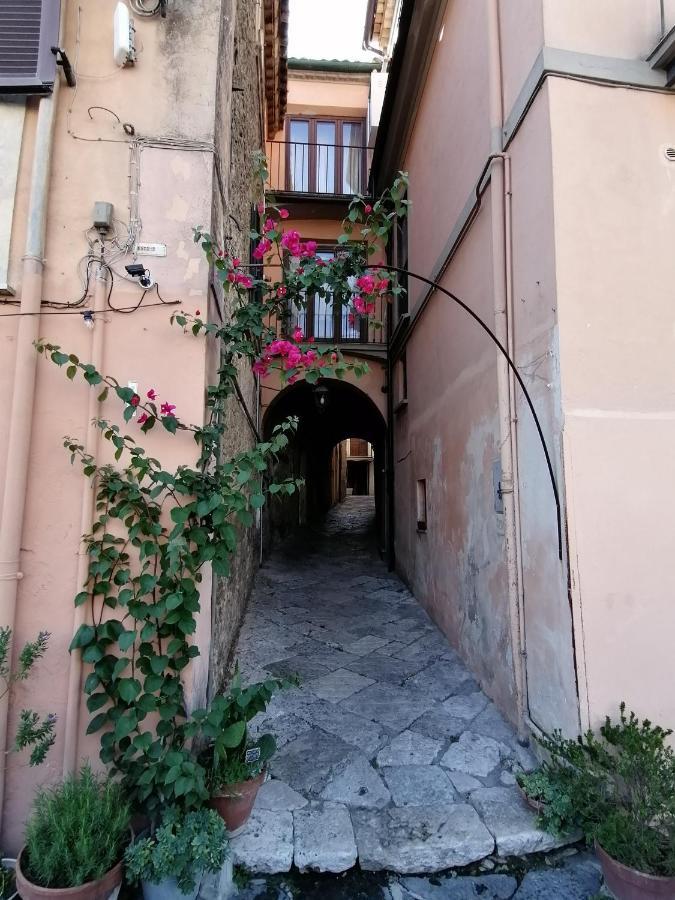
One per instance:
(78, 312)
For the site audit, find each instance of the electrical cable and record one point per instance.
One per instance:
(78, 312)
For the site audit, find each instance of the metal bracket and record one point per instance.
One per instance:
(63, 61)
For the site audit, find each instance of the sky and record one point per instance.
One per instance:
(324, 29)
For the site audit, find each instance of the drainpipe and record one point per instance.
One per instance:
(91, 447)
(503, 291)
(23, 392)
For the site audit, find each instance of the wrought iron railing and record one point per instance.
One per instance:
(323, 323)
(310, 168)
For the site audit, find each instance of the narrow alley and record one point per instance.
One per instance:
(389, 752)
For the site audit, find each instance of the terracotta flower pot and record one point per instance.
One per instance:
(101, 889)
(235, 802)
(629, 884)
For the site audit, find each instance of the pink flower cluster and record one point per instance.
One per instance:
(166, 409)
(288, 352)
(373, 283)
(291, 241)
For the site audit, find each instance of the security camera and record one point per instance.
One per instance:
(136, 270)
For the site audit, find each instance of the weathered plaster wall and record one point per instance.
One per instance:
(166, 97)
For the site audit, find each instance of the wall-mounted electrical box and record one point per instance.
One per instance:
(124, 51)
(103, 215)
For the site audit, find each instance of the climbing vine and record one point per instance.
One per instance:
(156, 528)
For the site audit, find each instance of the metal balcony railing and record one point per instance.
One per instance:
(324, 324)
(316, 169)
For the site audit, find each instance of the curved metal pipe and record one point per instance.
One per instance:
(493, 337)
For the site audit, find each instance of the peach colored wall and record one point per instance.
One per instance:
(163, 96)
(620, 28)
(614, 220)
(337, 96)
(449, 432)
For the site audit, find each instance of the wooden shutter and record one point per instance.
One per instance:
(28, 31)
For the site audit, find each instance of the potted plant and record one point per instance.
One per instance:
(235, 763)
(171, 862)
(75, 840)
(622, 788)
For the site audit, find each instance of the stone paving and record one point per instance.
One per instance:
(389, 752)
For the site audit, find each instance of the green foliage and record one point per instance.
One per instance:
(552, 787)
(227, 753)
(77, 831)
(621, 787)
(157, 527)
(184, 846)
(7, 883)
(33, 730)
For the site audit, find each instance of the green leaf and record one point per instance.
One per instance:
(128, 689)
(257, 500)
(84, 635)
(126, 640)
(233, 735)
(126, 724)
(92, 654)
(96, 701)
(97, 722)
(81, 598)
(159, 663)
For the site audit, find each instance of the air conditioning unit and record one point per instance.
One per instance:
(124, 51)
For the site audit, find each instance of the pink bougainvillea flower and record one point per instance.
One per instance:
(309, 248)
(143, 418)
(290, 241)
(152, 394)
(283, 213)
(334, 357)
(297, 334)
(383, 284)
(236, 262)
(135, 400)
(269, 225)
(230, 277)
(260, 368)
(168, 409)
(359, 304)
(263, 247)
(282, 290)
(261, 207)
(351, 319)
(310, 357)
(245, 281)
(367, 209)
(366, 284)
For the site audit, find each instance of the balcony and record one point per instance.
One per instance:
(315, 173)
(318, 320)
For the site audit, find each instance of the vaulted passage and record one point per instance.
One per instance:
(338, 449)
(388, 750)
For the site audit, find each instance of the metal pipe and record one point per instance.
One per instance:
(23, 392)
(91, 447)
(505, 399)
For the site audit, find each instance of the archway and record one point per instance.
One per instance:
(317, 452)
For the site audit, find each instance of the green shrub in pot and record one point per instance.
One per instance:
(182, 848)
(621, 784)
(77, 831)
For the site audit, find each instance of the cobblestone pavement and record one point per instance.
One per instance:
(389, 752)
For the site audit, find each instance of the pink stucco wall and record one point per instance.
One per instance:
(614, 220)
(91, 162)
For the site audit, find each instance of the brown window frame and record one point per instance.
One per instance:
(310, 311)
(312, 121)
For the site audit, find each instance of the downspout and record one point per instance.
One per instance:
(503, 290)
(23, 393)
(91, 447)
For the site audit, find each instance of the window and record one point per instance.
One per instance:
(28, 31)
(422, 504)
(325, 156)
(400, 383)
(324, 322)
